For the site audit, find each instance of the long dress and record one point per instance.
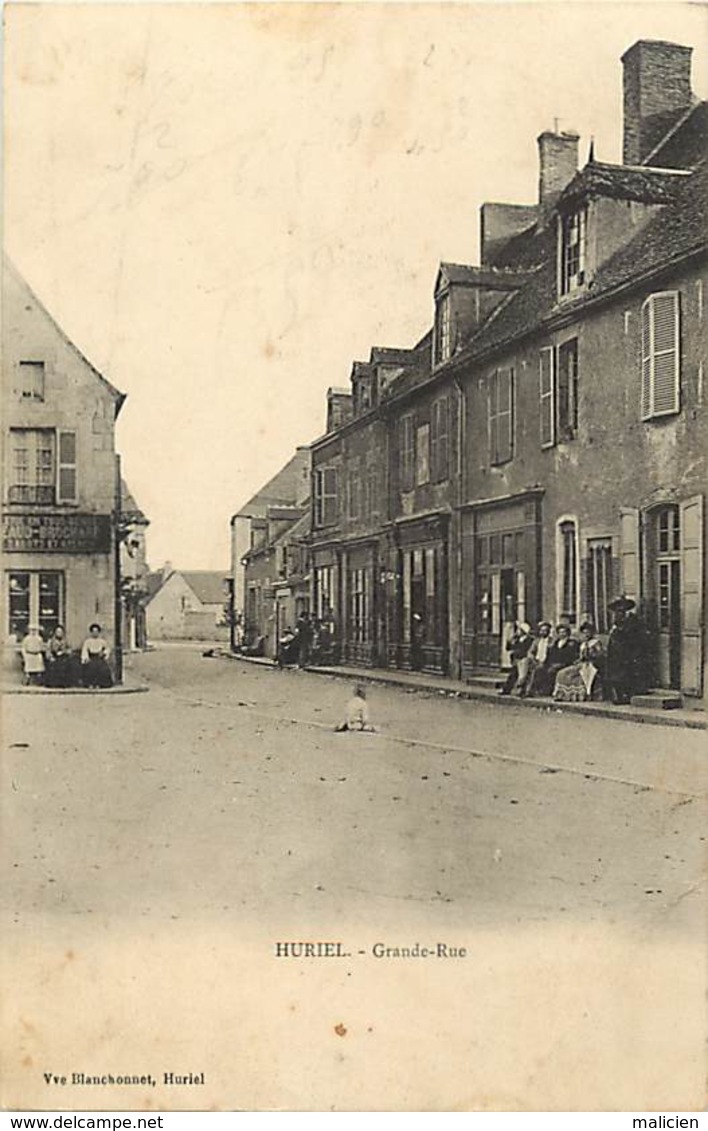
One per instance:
(94, 662)
(33, 656)
(581, 681)
(60, 666)
(627, 659)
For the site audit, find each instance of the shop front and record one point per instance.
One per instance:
(417, 592)
(501, 576)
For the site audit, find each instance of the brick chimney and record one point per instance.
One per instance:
(657, 90)
(557, 165)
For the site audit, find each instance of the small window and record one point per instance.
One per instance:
(443, 341)
(573, 238)
(599, 581)
(32, 380)
(660, 355)
(668, 529)
(501, 416)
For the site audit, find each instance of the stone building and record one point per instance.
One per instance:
(132, 533)
(187, 605)
(543, 448)
(61, 494)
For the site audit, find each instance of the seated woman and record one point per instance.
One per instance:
(287, 648)
(562, 651)
(95, 654)
(582, 680)
(60, 663)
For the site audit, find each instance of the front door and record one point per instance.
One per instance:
(669, 592)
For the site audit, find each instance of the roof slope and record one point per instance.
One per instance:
(129, 508)
(288, 486)
(208, 586)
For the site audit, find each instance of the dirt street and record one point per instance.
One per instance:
(160, 845)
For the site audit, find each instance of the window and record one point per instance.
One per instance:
(567, 391)
(558, 393)
(359, 605)
(439, 427)
(660, 355)
(501, 416)
(599, 581)
(567, 571)
(325, 496)
(34, 598)
(66, 479)
(32, 380)
(355, 492)
(573, 234)
(442, 329)
(422, 455)
(406, 453)
(33, 471)
(668, 529)
(324, 592)
(547, 395)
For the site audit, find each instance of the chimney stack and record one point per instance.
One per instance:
(657, 90)
(557, 165)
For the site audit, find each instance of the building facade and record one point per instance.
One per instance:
(61, 497)
(188, 605)
(543, 448)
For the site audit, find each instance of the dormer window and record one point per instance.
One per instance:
(573, 240)
(443, 320)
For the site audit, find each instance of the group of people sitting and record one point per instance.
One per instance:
(312, 641)
(577, 670)
(53, 663)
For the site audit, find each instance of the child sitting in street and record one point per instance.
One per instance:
(357, 716)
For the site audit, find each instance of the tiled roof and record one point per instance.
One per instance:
(622, 182)
(129, 508)
(207, 586)
(686, 145)
(289, 485)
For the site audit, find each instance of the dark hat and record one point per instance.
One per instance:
(622, 603)
(94, 625)
(547, 623)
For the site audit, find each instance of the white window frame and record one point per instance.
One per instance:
(648, 411)
(560, 574)
(67, 465)
(547, 395)
(443, 328)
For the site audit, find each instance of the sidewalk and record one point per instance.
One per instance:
(693, 718)
(130, 686)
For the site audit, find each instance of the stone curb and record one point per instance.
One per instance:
(673, 718)
(121, 689)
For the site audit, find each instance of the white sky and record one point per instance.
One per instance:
(224, 205)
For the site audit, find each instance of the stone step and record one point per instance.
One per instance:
(660, 699)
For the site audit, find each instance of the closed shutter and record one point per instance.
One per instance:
(66, 468)
(505, 414)
(692, 595)
(660, 355)
(546, 396)
(629, 552)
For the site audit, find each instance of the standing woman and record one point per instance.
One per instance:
(95, 654)
(33, 648)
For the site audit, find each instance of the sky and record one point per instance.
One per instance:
(224, 205)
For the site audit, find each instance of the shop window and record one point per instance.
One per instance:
(34, 598)
(501, 416)
(33, 467)
(660, 355)
(359, 606)
(599, 581)
(32, 380)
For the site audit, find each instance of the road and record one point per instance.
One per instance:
(161, 844)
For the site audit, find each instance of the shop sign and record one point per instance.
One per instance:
(56, 533)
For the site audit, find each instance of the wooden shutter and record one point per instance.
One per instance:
(67, 468)
(505, 414)
(660, 355)
(329, 495)
(629, 552)
(492, 418)
(546, 391)
(692, 595)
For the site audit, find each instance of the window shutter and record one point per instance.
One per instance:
(505, 424)
(66, 468)
(492, 418)
(660, 355)
(629, 552)
(546, 396)
(691, 595)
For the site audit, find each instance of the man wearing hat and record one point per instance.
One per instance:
(627, 652)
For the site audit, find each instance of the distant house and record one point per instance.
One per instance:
(186, 605)
(133, 569)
